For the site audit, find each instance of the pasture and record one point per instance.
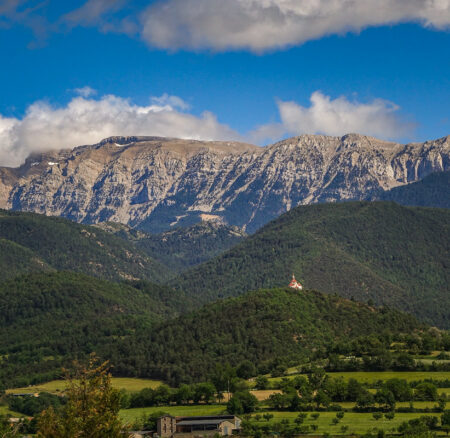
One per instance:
(55, 386)
(370, 377)
(130, 415)
(357, 422)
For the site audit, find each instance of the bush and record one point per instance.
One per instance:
(389, 415)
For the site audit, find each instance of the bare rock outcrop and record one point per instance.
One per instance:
(157, 183)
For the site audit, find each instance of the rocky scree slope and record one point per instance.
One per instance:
(157, 183)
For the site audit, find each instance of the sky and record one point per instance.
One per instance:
(74, 72)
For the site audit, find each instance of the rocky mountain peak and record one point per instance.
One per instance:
(160, 183)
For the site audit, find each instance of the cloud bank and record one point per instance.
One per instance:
(86, 120)
(260, 25)
(336, 117)
(220, 25)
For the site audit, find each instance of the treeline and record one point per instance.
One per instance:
(31, 405)
(318, 391)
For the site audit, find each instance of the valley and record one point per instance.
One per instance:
(196, 317)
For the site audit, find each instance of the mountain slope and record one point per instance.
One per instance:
(158, 183)
(183, 247)
(32, 242)
(264, 327)
(381, 251)
(49, 319)
(432, 191)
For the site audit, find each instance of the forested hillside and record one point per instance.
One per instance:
(48, 319)
(30, 242)
(182, 247)
(265, 327)
(432, 191)
(377, 251)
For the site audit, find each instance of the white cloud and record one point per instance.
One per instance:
(91, 12)
(169, 102)
(86, 121)
(336, 117)
(85, 91)
(260, 25)
(101, 14)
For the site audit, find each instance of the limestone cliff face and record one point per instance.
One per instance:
(157, 183)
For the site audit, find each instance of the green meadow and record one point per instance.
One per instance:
(356, 422)
(130, 415)
(127, 383)
(373, 376)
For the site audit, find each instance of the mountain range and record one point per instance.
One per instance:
(160, 241)
(158, 183)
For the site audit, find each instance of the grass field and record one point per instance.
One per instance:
(129, 384)
(130, 415)
(416, 404)
(357, 423)
(264, 394)
(373, 376)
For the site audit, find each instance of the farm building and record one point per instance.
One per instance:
(169, 426)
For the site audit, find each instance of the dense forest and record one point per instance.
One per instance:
(380, 251)
(182, 247)
(49, 319)
(262, 327)
(382, 254)
(432, 191)
(31, 242)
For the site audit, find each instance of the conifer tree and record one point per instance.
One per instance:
(92, 408)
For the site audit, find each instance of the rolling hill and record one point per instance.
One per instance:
(49, 319)
(380, 251)
(31, 243)
(264, 327)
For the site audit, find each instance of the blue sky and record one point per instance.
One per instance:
(386, 76)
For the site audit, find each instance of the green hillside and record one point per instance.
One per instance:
(16, 259)
(377, 251)
(432, 191)
(47, 319)
(30, 242)
(182, 247)
(263, 327)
